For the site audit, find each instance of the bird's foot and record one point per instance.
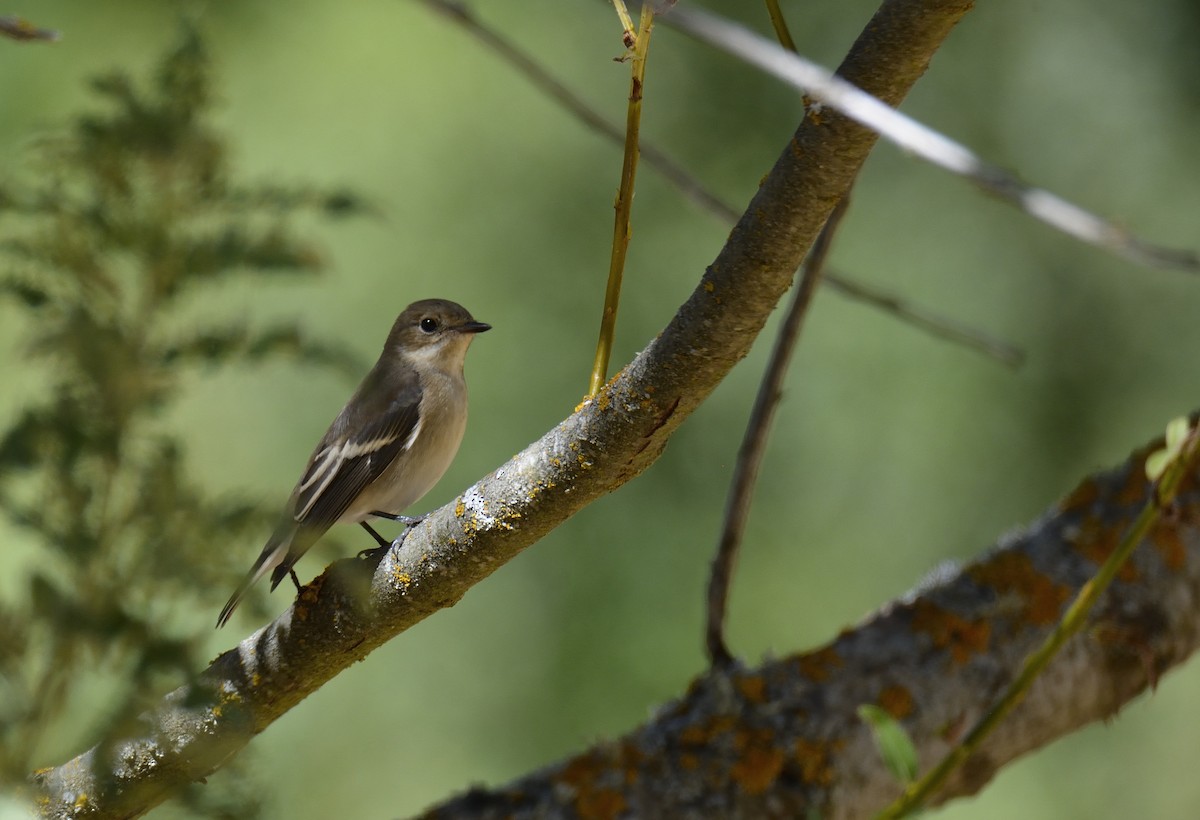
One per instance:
(385, 545)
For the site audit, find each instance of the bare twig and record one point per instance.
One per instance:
(942, 327)
(626, 22)
(624, 207)
(823, 86)
(698, 194)
(754, 444)
(779, 23)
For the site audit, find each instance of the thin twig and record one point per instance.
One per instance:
(779, 23)
(626, 22)
(940, 326)
(20, 29)
(750, 455)
(622, 223)
(823, 86)
(1162, 496)
(695, 191)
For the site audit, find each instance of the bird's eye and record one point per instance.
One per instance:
(429, 325)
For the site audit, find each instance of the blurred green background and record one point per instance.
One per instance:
(892, 452)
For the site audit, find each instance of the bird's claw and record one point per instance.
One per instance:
(375, 552)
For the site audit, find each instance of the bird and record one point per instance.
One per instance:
(388, 446)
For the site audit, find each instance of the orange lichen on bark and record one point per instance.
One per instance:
(812, 758)
(1014, 572)
(759, 762)
(947, 630)
(1136, 487)
(1167, 541)
(630, 758)
(1096, 540)
(752, 687)
(704, 734)
(581, 772)
(592, 802)
(1081, 498)
(897, 701)
(819, 664)
(603, 804)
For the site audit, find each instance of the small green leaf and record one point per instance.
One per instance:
(1177, 432)
(894, 744)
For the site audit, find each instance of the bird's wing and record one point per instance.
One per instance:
(361, 443)
(341, 470)
(342, 467)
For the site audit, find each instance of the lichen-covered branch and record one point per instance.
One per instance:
(784, 740)
(354, 607)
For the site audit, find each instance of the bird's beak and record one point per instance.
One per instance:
(473, 327)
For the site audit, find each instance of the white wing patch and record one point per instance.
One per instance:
(412, 437)
(329, 461)
(322, 474)
(321, 466)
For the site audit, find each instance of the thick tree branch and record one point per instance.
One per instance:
(606, 442)
(784, 740)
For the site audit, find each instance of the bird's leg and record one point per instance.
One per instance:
(379, 539)
(384, 546)
(407, 521)
(295, 580)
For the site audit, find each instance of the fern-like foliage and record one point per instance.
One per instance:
(124, 216)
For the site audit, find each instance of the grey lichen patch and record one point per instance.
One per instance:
(137, 759)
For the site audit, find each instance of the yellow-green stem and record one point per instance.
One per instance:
(626, 20)
(1162, 495)
(780, 25)
(624, 204)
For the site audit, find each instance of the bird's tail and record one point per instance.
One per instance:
(273, 554)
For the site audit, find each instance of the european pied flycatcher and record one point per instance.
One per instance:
(390, 444)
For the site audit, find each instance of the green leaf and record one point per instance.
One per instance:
(1177, 432)
(894, 744)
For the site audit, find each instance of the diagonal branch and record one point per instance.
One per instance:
(353, 608)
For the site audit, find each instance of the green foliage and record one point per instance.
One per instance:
(895, 746)
(1176, 436)
(128, 213)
